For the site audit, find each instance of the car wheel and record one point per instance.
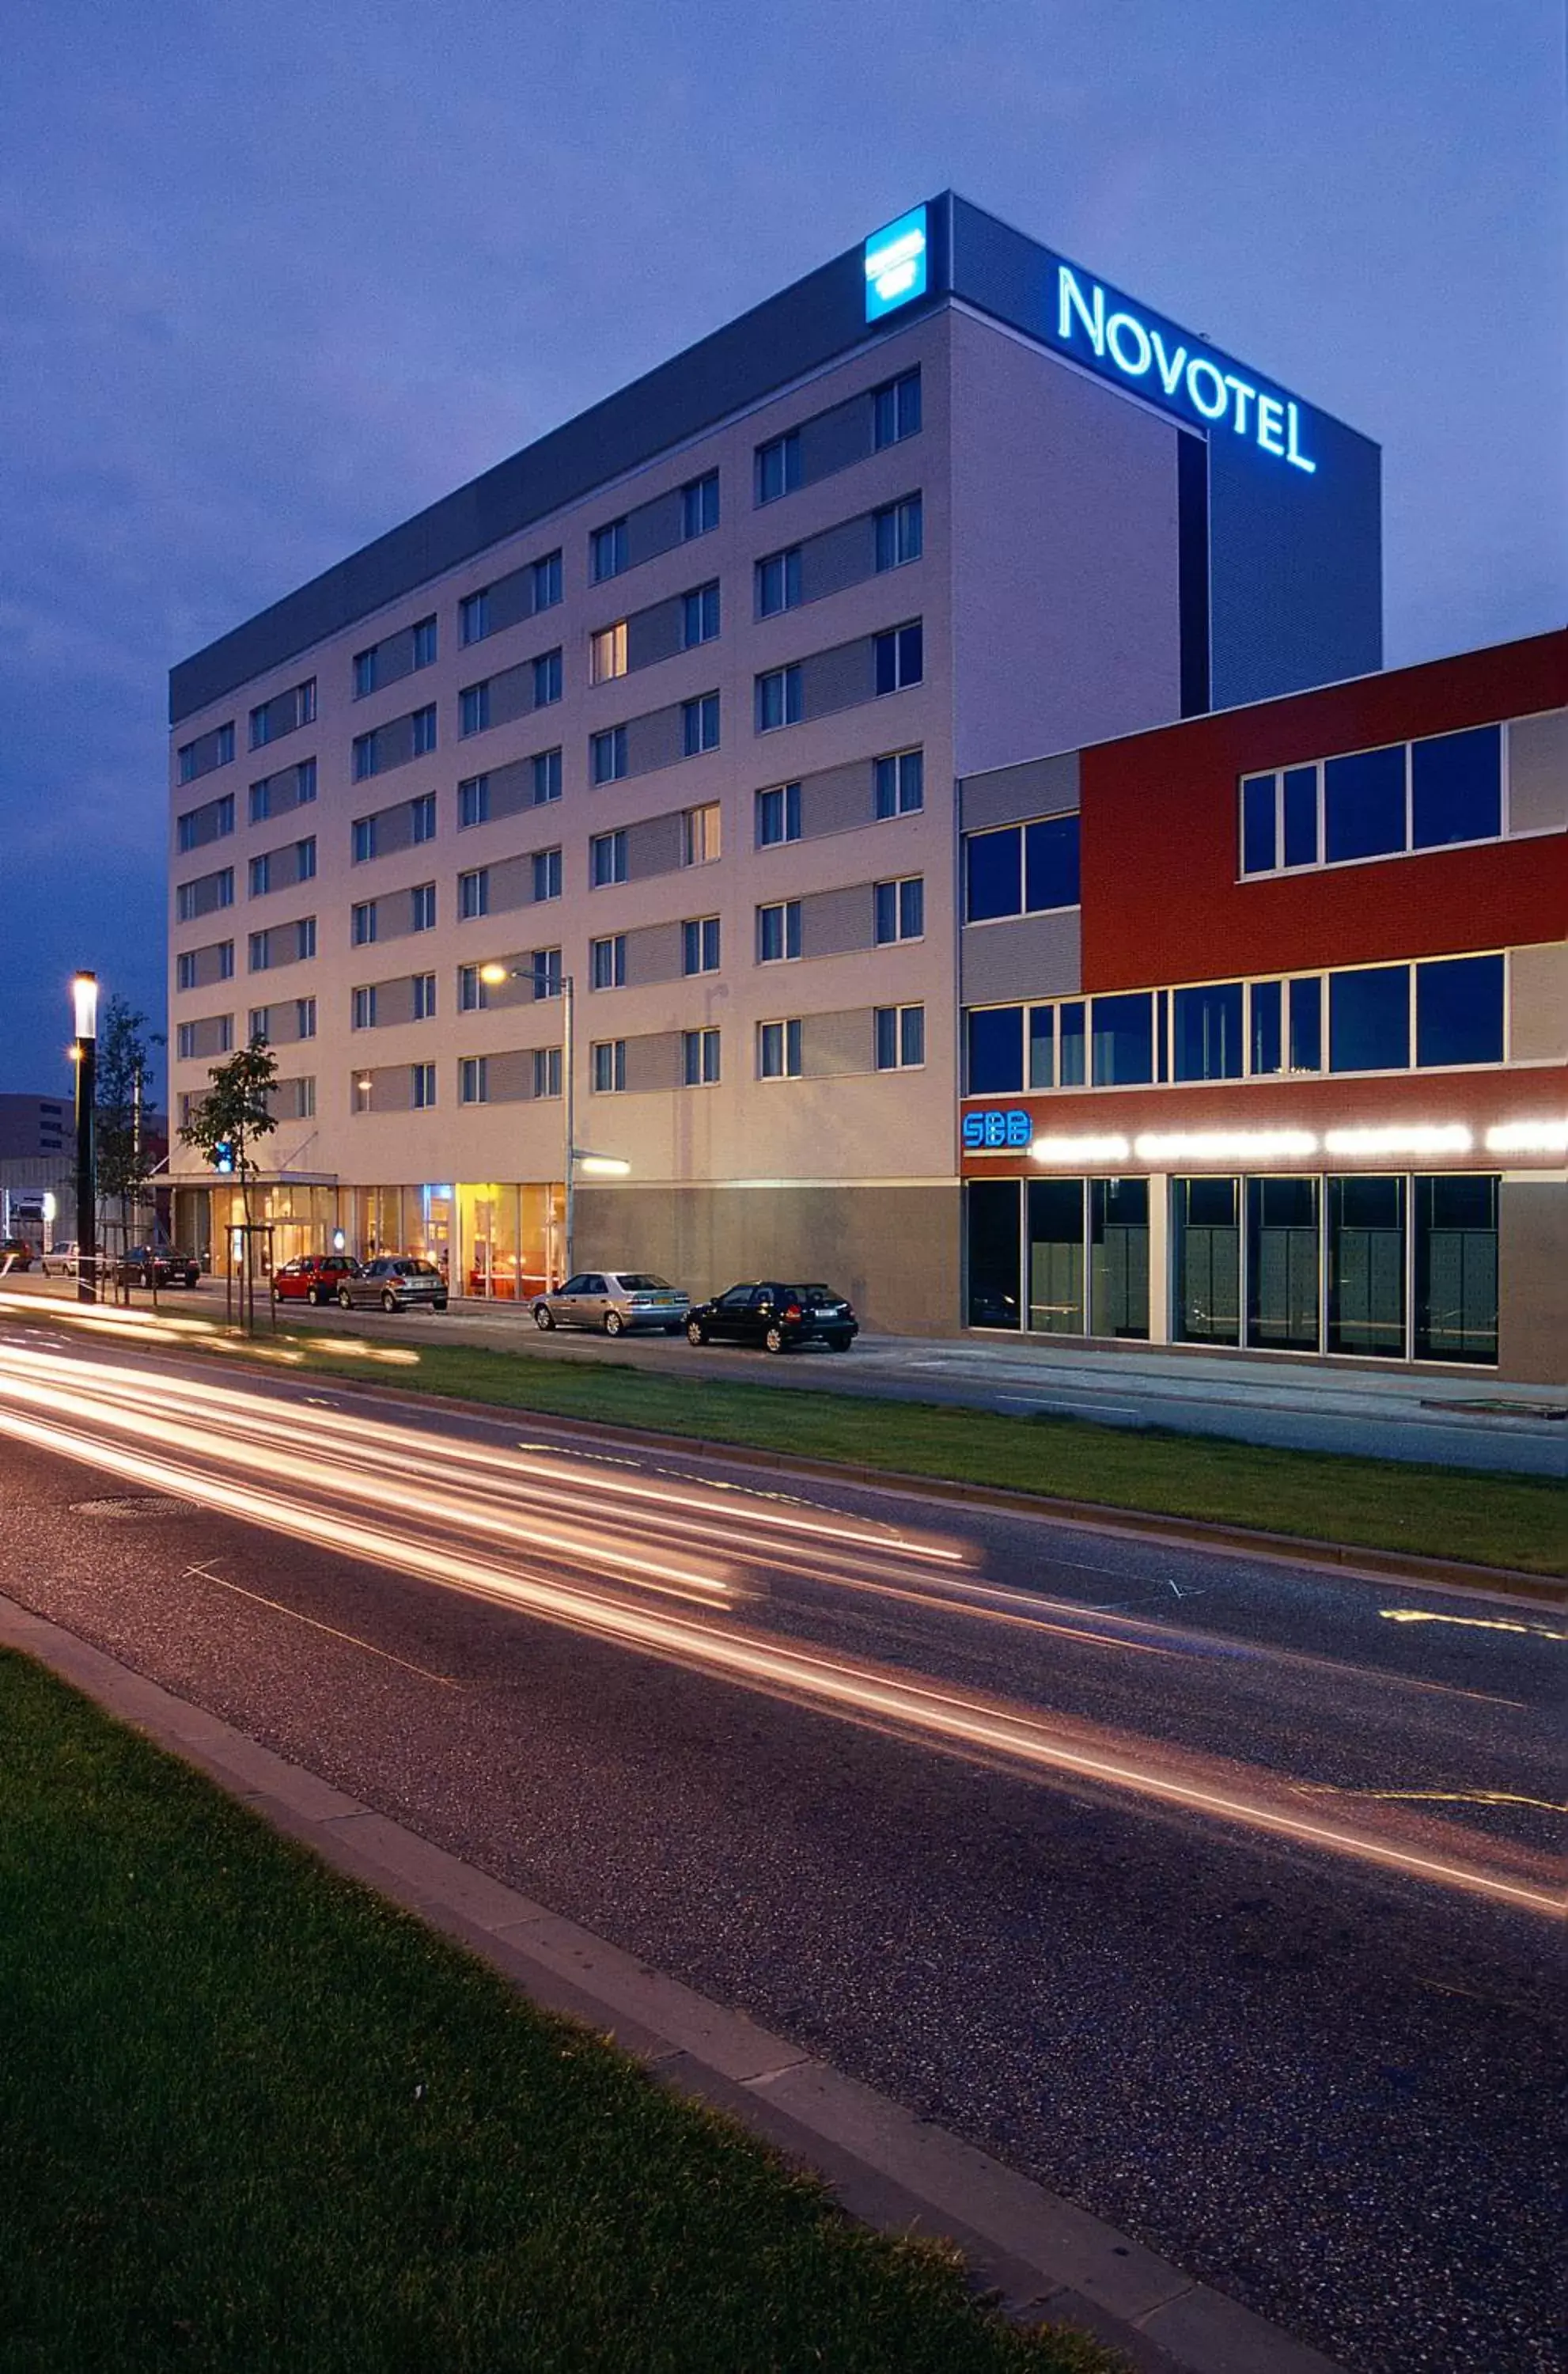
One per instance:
(695, 1332)
(440, 1303)
(613, 1324)
(838, 1343)
(315, 1296)
(775, 1340)
(543, 1318)
(389, 1300)
(345, 1300)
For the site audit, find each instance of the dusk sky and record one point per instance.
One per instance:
(273, 278)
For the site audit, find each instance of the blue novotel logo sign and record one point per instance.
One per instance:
(998, 1130)
(1110, 337)
(895, 265)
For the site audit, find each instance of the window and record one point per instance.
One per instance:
(471, 996)
(362, 1009)
(699, 944)
(699, 724)
(900, 1037)
(1207, 1032)
(778, 816)
(778, 467)
(699, 506)
(215, 749)
(276, 794)
(304, 1017)
(546, 766)
(1457, 789)
(699, 616)
(700, 836)
(185, 971)
(424, 638)
(606, 860)
(699, 1058)
(1369, 1020)
(547, 1071)
(779, 1051)
(200, 898)
(1050, 865)
(1265, 1008)
(474, 802)
(1456, 1269)
(422, 817)
(778, 932)
(607, 652)
(900, 783)
(211, 823)
(362, 1092)
(607, 755)
(1207, 1227)
(473, 619)
(364, 672)
(421, 907)
(899, 532)
(281, 715)
(276, 868)
(1121, 1040)
(609, 551)
(421, 1086)
(994, 1051)
(900, 910)
(474, 894)
(900, 658)
(362, 840)
(778, 582)
(423, 726)
(474, 709)
(1364, 805)
(777, 699)
(1306, 1025)
(895, 410)
(1459, 1004)
(547, 678)
(608, 1065)
(607, 962)
(547, 870)
(546, 584)
(1366, 1267)
(424, 997)
(364, 756)
(267, 949)
(1020, 869)
(472, 1080)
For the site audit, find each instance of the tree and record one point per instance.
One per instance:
(125, 1071)
(226, 1123)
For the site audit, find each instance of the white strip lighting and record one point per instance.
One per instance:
(1222, 1145)
(1528, 1137)
(1449, 1138)
(1080, 1149)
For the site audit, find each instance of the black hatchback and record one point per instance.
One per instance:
(778, 1317)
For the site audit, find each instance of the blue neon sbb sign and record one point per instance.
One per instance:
(998, 1131)
(895, 265)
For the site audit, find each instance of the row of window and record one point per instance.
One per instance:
(896, 414)
(269, 721)
(897, 536)
(1438, 1013)
(367, 670)
(1433, 794)
(544, 592)
(609, 548)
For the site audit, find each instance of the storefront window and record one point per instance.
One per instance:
(1456, 1269)
(1281, 1264)
(1208, 1260)
(1056, 1256)
(993, 1212)
(1366, 1267)
(1119, 1257)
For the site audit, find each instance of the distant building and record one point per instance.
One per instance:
(35, 1126)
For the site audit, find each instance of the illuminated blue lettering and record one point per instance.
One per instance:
(1070, 301)
(895, 263)
(1020, 1129)
(973, 1133)
(1244, 388)
(1292, 450)
(1169, 366)
(1270, 420)
(1213, 377)
(1121, 327)
(997, 1130)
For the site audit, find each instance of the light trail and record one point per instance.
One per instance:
(324, 1479)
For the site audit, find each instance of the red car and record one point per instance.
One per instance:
(313, 1278)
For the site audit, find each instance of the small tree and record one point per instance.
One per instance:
(235, 1112)
(125, 1071)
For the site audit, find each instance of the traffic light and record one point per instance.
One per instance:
(223, 1155)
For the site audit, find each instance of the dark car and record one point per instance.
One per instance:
(156, 1265)
(15, 1255)
(313, 1278)
(395, 1281)
(778, 1317)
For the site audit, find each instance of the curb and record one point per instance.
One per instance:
(1043, 2256)
(1341, 1558)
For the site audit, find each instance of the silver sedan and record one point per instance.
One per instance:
(614, 1301)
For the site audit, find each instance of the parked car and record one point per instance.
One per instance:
(615, 1301)
(395, 1282)
(15, 1255)
(778, 1317)
(313, 1278)
(61, 1260)
(157, 1265)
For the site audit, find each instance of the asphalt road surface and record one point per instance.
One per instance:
(1225, 1899)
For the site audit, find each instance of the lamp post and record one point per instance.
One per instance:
(548, 981)
(84, 998)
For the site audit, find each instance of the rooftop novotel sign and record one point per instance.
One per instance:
(895, 265)
(1167, 367)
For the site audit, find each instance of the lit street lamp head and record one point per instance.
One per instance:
(83, 997)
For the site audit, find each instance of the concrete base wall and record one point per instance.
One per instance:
(1532, 1259)
(894, 1250)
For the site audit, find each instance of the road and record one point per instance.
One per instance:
(1220, 1897)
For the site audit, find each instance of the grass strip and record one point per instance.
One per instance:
(258, 2120)
(1520, 1522)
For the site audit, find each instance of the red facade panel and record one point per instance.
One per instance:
(1162, 901)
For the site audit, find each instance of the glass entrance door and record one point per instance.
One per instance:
(1281, 1264)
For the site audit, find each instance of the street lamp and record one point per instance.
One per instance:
(84, 999)
(548, 982)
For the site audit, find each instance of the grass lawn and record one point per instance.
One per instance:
(1502, 1520)
(255, 2119)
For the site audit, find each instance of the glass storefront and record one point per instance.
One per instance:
(1207, 1253)
(1456, 1269)
(1281, 1264)
(1366, 1267)
(495, 1239)
(1056, 1256)
(1119, 1257)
